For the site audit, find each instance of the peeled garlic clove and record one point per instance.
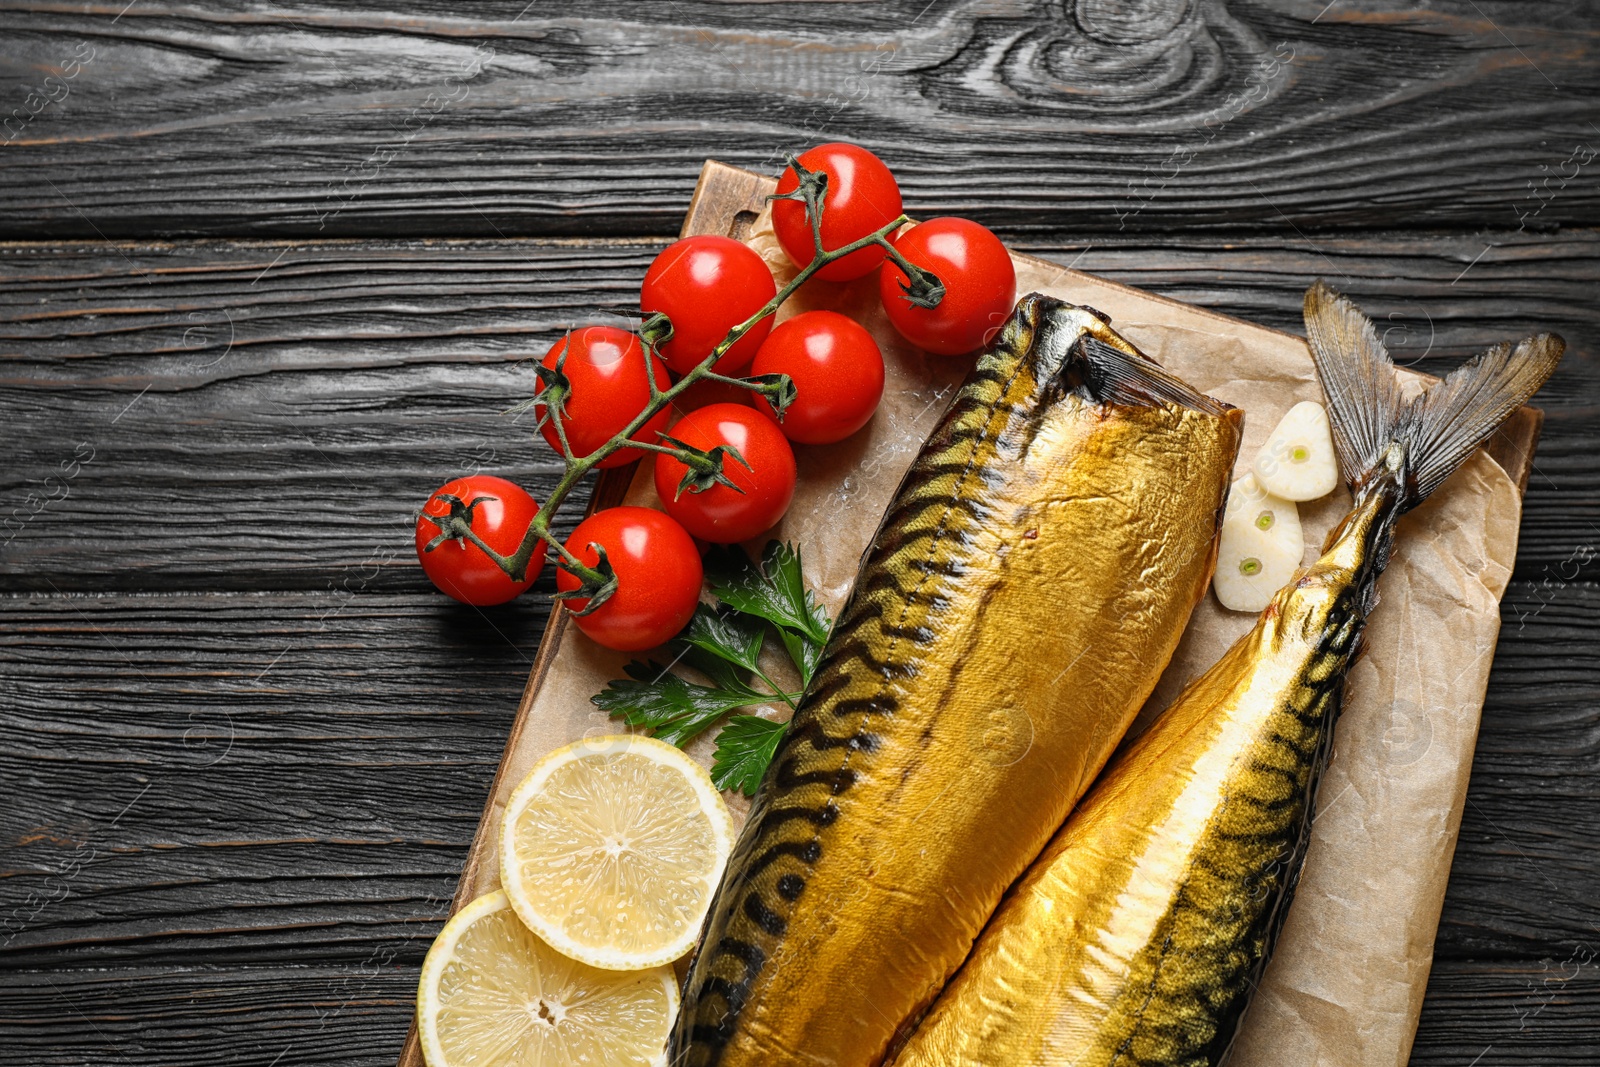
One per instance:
(1298, 462)
(1260, 546)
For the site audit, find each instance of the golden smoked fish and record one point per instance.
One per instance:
(1027, 586)
(1137, 937)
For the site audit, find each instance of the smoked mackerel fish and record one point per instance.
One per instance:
(1137, 937)
(1026, 588)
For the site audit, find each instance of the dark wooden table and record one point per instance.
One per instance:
(269, 278)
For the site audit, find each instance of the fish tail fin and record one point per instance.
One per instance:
(1423, 440)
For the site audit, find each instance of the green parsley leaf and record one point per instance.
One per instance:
(775, 591)
(805, 653)
(724, 645)
(723, 675)
(726, 634)
(675, 710)
(744, 748)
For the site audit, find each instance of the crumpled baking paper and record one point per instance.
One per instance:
(1346, 983)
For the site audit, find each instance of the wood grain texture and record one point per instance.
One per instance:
(293, 776)
(305, 733)
(1084, 116)
(244, 747)
(235, 776)
(361, 374)
(1509, 1015)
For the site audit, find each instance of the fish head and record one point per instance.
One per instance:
(1043, 337)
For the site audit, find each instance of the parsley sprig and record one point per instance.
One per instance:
(723, 643)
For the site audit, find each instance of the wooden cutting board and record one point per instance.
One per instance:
(730, 201)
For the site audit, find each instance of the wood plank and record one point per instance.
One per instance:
(297, 776)
(421, 119)
(278, 413)
(362, 374)
(240, 776)
(1507, 1015)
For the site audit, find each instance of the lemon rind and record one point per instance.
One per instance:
(610, 959)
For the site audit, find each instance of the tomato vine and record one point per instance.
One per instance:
(597, 583)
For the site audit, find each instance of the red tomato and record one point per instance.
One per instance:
(707, 285)
(862, 197)
(658, 577)
(607, 369)
(500, 513)
(980, 286)
(719, 514)
(837, 372)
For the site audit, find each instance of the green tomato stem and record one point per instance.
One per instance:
(777, 691)
(575, 467)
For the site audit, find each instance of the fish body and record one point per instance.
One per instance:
(1027, 586)
(1138, 935)
(1134, 937)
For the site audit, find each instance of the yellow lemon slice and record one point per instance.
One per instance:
(611, 849)
(494, 995)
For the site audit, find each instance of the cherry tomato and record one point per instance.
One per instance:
(500, 513)
(658, 577)
(862, 196)
(707, 285)
(837, 372)
(980, 286)
(719, 514)
(606, 367)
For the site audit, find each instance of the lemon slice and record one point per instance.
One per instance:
(493, 995)
(611, 849)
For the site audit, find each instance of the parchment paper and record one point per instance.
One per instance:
(1347, 981)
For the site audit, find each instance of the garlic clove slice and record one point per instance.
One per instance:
(1298, 461)
(1260, 546)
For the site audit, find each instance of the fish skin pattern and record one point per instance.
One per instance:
(1026, 588)
(1137, 936)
